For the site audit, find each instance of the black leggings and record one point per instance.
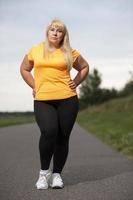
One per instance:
(55, 119)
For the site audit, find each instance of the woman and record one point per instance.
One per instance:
(55, 98)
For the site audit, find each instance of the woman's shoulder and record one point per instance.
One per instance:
(74, 51)
(37, 45)
(75, 54)
(36, 48)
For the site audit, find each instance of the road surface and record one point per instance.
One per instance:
(93, 171)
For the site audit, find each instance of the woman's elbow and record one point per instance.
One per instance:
(21, 70)
(87, 68)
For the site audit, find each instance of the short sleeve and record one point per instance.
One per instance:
(30, 54)
(75, 54)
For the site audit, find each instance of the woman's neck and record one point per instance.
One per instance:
(54, 46)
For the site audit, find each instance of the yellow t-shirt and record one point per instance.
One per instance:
(50, 74)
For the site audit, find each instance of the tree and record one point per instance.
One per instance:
(128, 88)
(90, 88)
(91, 93)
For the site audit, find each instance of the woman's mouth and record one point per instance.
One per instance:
(54, 38)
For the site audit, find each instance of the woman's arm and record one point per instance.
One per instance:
(25, 70)
(82, 67)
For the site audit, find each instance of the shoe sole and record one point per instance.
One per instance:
(57, 187)
(41, 188)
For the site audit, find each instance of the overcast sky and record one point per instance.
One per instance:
(101, 31)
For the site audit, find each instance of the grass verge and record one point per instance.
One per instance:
(112, 122)
(15, 120)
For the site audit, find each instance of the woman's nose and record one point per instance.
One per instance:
(55, 32)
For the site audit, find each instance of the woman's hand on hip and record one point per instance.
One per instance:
(72, 84)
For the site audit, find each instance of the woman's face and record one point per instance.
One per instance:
(55, 35)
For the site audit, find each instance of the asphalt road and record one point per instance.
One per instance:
(93, 171)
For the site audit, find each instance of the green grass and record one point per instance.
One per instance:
(14, 120)
(112, 122)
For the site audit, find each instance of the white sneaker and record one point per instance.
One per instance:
(43, 180)
(56, 181)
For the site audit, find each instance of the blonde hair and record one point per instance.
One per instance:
(64, 45)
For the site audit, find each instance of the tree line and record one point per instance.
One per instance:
(91, 93)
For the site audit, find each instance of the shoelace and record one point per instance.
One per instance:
(41, 178)
(58, 178)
